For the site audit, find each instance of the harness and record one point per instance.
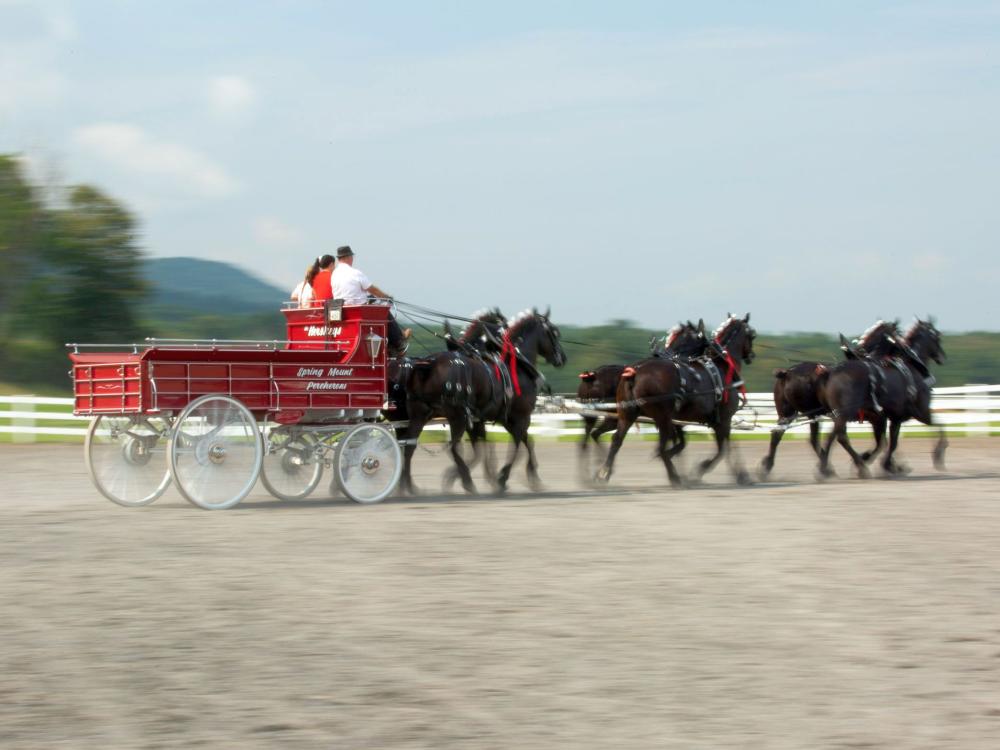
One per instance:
(875, 378)
(907, 373)
(510, 352)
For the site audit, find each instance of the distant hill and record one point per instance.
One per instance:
(183, 287)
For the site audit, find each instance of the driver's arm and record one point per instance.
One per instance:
(376, 292)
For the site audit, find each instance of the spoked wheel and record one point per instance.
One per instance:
(368, 463)
(215, 452)
(127, 458)
(292, 468)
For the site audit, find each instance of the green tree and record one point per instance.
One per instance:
(92, 281)
(22, 227)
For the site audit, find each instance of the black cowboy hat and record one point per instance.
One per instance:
(344, 251)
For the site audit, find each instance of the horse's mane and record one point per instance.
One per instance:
(521, 321)
(880, 337)
(724, 326)
(479, 320)
(917, 326)
(672, 334)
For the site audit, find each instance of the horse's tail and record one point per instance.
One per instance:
(625, 393)
(781, 373)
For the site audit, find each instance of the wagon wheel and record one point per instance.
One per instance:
(368, 463)
(291, 468)
(127, 458)
(215, 452)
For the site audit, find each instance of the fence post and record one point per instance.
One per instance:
(29, 422)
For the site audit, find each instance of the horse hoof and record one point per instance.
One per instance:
(863, 472)
(470, 488)
(603, 475)
(824, 472)
(743, 479)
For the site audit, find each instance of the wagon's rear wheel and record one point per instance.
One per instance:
(368, 463)
(215, 452)
(292, 468)
(127, 458)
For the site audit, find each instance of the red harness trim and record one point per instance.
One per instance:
(510, 352)
(732, 370)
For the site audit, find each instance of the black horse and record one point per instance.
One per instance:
(600, 386)
(470, 390)
(891, 385)
(702, 391)
(797, 391)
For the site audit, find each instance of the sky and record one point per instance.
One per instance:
(820, 165)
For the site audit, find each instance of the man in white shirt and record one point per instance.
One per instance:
(351, 285)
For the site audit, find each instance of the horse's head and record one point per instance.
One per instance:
(881, 339)
(736, 336)
(537, 336)
(925, 340)
(550, 347)
(686, 339)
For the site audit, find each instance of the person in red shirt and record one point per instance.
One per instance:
(321, 284)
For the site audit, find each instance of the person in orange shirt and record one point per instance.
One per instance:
(322, 290)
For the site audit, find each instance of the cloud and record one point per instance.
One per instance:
(273, 232)
(31, 38)
(133, 150)
(892, 71)
(230, 95)
(930, 263)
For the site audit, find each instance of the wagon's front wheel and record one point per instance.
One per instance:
(368, 463)
(215, 452)
(127, 458)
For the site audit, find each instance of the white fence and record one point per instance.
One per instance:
(968, 410)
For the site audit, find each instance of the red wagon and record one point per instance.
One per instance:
(213, 416)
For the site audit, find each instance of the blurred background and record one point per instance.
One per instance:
(171, 170)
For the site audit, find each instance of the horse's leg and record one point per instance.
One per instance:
(889, 464)
(625, 420)
(589, 423)
(841, 432)
(939, 449)
(534, 481)
(456, 421)
(721, 444)
(814, 436)
(767, 463)
(878, 428)
(667, 433)
(484, 451)
(733, 456)
(414, 427)
(924, 415)
(824, 457)
(517, 426)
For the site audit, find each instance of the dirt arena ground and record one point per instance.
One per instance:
(791, 614)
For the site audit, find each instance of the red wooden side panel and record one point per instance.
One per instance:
(338, 366)
(107, 383)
